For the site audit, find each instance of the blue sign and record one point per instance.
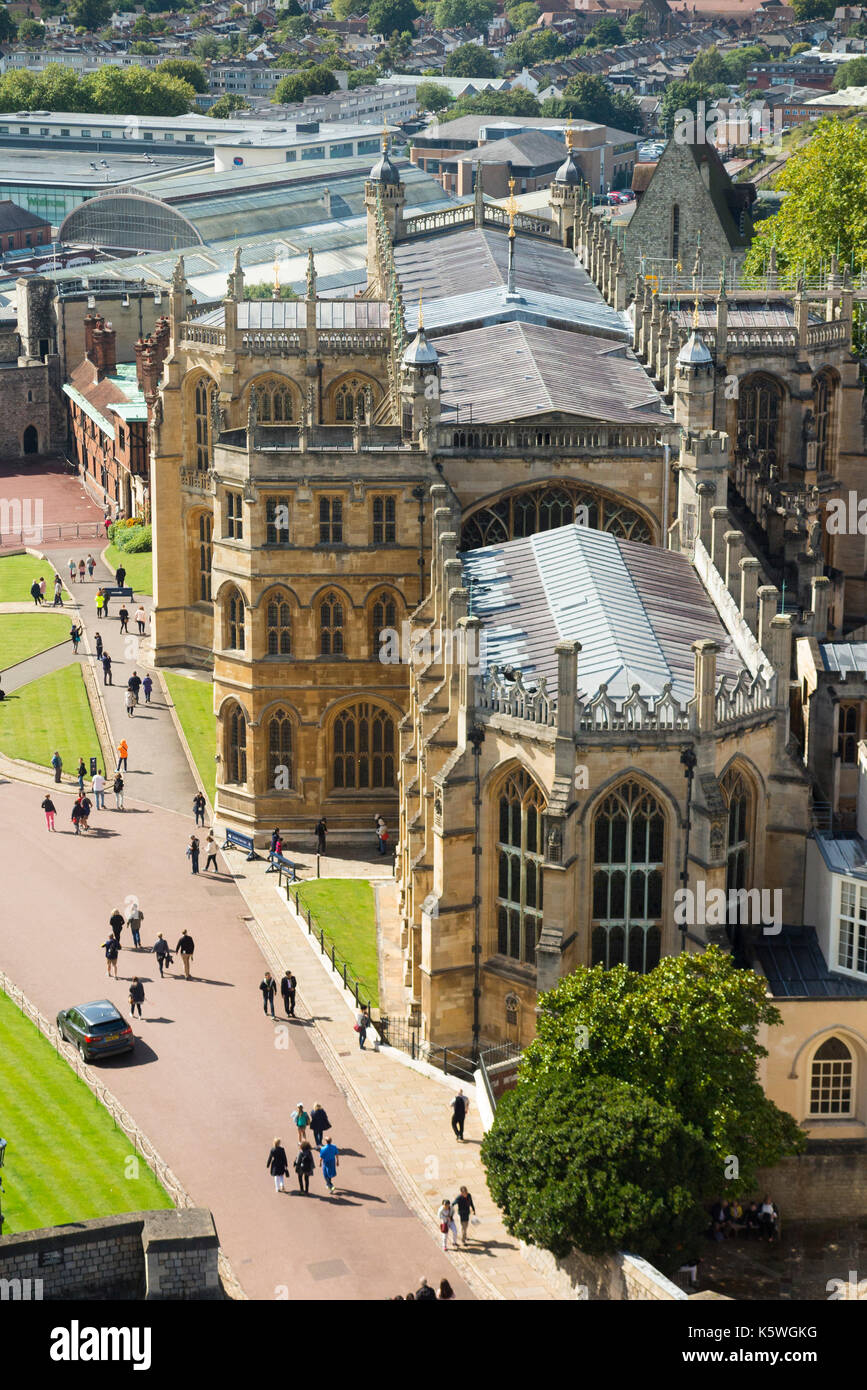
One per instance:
(238, 160)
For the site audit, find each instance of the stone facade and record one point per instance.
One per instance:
(32, 420)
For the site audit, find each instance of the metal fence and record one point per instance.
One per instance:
(359, 988)
(452, 1061)
(41, 535)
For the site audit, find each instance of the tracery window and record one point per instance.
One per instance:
(739, 829)
(281, 771)
(236, 744)
(759, 413)
(519, 867)
(383, 615)
(384, 520)
(847, 734)
(206, 535)
(823, 402)
(349, 397)
(278, 623)
(628, 866)
(363, 748)
(274, 402)
(235, 621)
(331, 626)
(204, 396)
(547, 507)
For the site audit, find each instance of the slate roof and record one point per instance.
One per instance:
(472, 259)
(844, 657)
(17, 219)
(796, 969)
(636, 610)
(532, 150)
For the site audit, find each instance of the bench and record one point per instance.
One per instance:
(114, 591)
(279, 864)
(236, 840)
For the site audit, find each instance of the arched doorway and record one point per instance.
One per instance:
(31, 440)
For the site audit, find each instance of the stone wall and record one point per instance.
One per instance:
(152, 1255)
(31, 396)
(620, 1278)
(818, 1186)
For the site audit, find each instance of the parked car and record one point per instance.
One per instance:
(96, 1029)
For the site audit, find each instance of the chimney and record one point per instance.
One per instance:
(105, 350)
(90, 322)
(821, 587)
(139, 355)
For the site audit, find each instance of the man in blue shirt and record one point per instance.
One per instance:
(329, 1163)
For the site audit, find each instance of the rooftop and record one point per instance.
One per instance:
(796, 969)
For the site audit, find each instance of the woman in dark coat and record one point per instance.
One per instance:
(304, 1165)
(319, 1122)
(278, 1165)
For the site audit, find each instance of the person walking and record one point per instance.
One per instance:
(97, 644)
(275, 839)
(41, 588)
(58, 591)
(381, 835)
(134, 921)
(122, 755)
(130, 703)
(82, 773)
(446, 1291)
(319, 1122)
(278, 1165)
(268, 986)
(72, 571)
(50, 810)
(304, 1165)
(161, 950)
(97, 786)
(119, 576)
(36, 592)
(199, 807)
(123, 615)
(460, 1104)
(134, 684)
(99, 600)
(287, 989)
(106, 521)
(185, 949)
(117, 788)
(147, 686)
(75, 634)
(193, 854)
(57, 764)
(301, 1120)
(362, 1026)
(111, 948)
(82, 567)
(321, 832)
(140, 617)
(136, 996)
(329, 1162)
(86, 808)
(211, 852)
(445, 1217)
(77, 815)
(91, 566)
(115, 921)
(463, 1205)
(106, 669)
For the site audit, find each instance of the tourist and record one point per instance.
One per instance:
(58, 591)
(77, 814)
(134, 921)
(278, 846)
(446, 1291)
(185, 949)
(460, 1105)
(136, 996)
(111, 948)
(91, 566)
(75, 633)
(134, 684)
(106, 669)
(123, 615)
(304, 1165)
(319, 1122)
(162, 953)
(278, 1165)
(106, 521)
(100, 603)
(72, 571)
(57, 764)
(86, 808)
(82, 567)
(130, 703)
(300, 1119)
(193, 854)
(147, 686)
(381, 835)
(122, 755)
(329, 1162)
(119, 576)
(275, 836)
(287, 989)
(50, 810)
(211, 852)
(199, 807)
(97, 643)
(362, 1026)
(268, 986)
(36, 592)
(117, 788)
(446, 1219)
(115, 921)
(140, 617)
(97, 786)
(768, 1219)
(41, 589)
(321, 832)
(424, 1293)
(463, 1204)
(82, 773)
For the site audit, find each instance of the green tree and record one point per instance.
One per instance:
(825, 207)
(708, 67)
(588, 98)
(682, 96)
(144, 27)
(295, 86)
(853, 74)
(58, 88)
(363, 77)
(533, 47)
(460, 14)
(207, 46)
(255, 27)
(262, 290)
(798, 48)
(522, 16)
(389, 17)
(8, 30)
(342, 9)
(430, 96)
(598, 1166)
(143, 46)
(687, 1035)
(18, 91)
(89, 14)
(295, 27)
(226, 106)
(471, 60)
(291, 10)
(814, 9)
(187, 70)
(634, 27)
(135, 92)
(607, 32)
(737, 62)
(491, 103)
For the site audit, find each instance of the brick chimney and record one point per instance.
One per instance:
(104, 350)
(91, 322)
(140, 346)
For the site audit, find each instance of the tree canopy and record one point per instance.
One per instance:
(226, 106)
(262, 290)
(533, 47)
(8, 31)
(814, 9)
(708, 66)
(464, 14)
(132, 91)
(852, 74)
(607, 32)
(682, 96)
(588, 98)
(471, 60)
(187, 70)
(493, 103)
(89, 14)
(389, 17)
(430, 96)
(522, 16)
(295, 86)
(825, 207)
(634, 27)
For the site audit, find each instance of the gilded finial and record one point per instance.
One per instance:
(384, 136)
(420, 311)
(513, 208)
(276, 275)
(570, 134)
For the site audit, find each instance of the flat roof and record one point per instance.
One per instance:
(224, 131)
(60, 168)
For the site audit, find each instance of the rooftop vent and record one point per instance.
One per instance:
(307, 127)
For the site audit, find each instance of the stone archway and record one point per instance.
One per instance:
(30, 441)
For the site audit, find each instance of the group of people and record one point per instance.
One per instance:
(304, 1163)
(194, 850)
(760, 1220)
(111, 947)
(463, 1207)
(425, 1294)
(83, 566)
(288, 986)
(37, 591)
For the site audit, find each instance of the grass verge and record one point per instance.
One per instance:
(23, 635)
(17, 573)
(344, 909)
(194, 706)
(139, 568)
(66, 1160)
(48, 713)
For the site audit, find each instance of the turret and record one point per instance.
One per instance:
(419, 382)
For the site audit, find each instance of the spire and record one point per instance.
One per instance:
(311, 274)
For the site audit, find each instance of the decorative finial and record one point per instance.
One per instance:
(569, 135)
(311, 274)
(420, 312)
(513, 208)
(178, 277)
(276, 274)
(384, 136)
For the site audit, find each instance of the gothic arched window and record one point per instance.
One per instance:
(519, 867)
(204, 395)
(823, 402)
(206, 534)
(383, 615)
(363, 748)
(331, 626)
(274, 402)
(831, 1077)
(737, 796)
(235, 621)
(235, 744)
(760, 405)
(279, 626)
(281, 771)
(628, 866)
(349, 398)
(544, 508)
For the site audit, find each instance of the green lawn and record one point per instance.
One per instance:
(23, 635)
(139, 568)
(345, 910)
(66, 1159)
(51, 712)
(17, 573)
(194, 705)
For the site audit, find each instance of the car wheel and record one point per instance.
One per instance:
(81, 1052)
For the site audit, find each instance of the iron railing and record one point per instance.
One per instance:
(402, 1033)
(40, 535)
(360, 989)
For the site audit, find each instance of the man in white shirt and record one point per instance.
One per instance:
(98, 788)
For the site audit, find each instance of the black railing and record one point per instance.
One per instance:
(452, 1061)
(359, 989)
